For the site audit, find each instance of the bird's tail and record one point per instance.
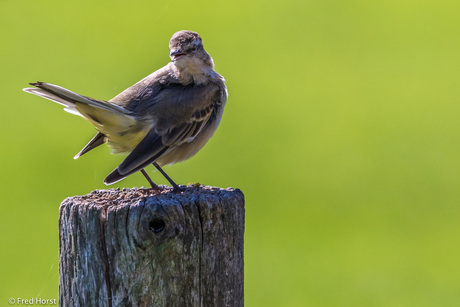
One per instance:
(108, 117)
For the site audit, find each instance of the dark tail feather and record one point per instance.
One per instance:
(115, 175)
(97, 140)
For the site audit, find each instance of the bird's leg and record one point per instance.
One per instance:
(154, 186)
(175, 186)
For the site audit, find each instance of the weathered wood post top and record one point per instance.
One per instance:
(132, 247)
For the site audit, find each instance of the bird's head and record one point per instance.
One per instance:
(186, 50)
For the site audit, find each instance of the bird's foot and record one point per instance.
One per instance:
(178, 189)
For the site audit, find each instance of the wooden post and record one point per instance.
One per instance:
(129, 248)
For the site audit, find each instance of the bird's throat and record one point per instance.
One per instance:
(193, 71)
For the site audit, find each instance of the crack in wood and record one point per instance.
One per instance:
(200, 219)
(103, 221)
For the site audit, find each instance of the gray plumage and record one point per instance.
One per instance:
(166, 117)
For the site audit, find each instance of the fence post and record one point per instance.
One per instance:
(129, 248)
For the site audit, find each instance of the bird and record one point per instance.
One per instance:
(163, 119)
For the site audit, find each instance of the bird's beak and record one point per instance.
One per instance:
(175, 54)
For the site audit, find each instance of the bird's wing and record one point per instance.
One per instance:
(148, 150)
(175, 125)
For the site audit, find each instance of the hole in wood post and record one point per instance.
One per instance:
(157, 225)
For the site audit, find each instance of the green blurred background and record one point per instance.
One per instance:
(341, 129)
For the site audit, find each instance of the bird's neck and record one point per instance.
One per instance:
(195, 71)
